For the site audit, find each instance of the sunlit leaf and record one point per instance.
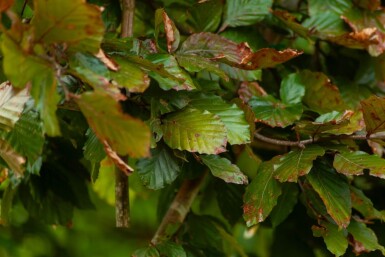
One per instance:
(195, 131)
(334, 192)
(238, 129)
(104, 185)
(130, 76)
(224, 169)
(273, 112)
(261, 195)
(69, 21)
(125, 134)
(160, 169)
(13, 159)
(373, 110)
(364, 239)
(244, 12)
(40, 74)
(335, 239)
(297, 163)
(285, 205)
(12, 103)
(354, 163)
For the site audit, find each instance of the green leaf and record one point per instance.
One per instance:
(292, 91)
(13, 159)
(354, 163)
(67, 22)
(245, 12)
(274, 113)
(335, 239)
(171, 249)
(6, 204)
(364, 205)
(171, 66)
(194, 63)
(373, 110)
(195, 131)
(40, 74)
(297, 163)
(125, 134)
(224, 169)
(158, 170)
(321, 95)
(27, 137)
(104, 184)
(93, 148)
(364, 239)
(334, 192)
(238, 129)
(335, 123)
(285, 205)
(130, 76)
(92, 71)
(12, 103)
(239, 74)
(261, 195)
(165, 27)
(150, 251)
(206, 16)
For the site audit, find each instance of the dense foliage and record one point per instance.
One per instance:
(265, 118)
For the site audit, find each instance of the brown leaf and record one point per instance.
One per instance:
(170, 34)
(250, 89)
(122, 165)
(110, 63)
(5, 4)
(218, 48)
(359, 40)
(371, 5)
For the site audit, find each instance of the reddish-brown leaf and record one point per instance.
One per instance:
(5, 4)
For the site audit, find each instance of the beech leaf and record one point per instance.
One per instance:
(364, 205)
(195, 131)
(125, 134)
(285, 205)
(334, 191)
(261, 195)
(160, 169)
(354, 163)
(373, 110)
(164, 26)
(13, 159)
(335, 239)
(234, 119)
(218, 48)
(297, 163)
(364, 239)
(245, 12)
(12, 103)
(224, 169)
(71, 22)
(273, 112)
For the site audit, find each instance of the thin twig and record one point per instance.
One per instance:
(178, 210)
(302, 143)
(128, 14)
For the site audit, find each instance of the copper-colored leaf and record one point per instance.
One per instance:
(373, 110)
(5, 4)
(250, 89)
(240, 55)
(110, 63)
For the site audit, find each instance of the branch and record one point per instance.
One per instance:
(302, 143)
(128, 14)
(178, 210)
(122, 198)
